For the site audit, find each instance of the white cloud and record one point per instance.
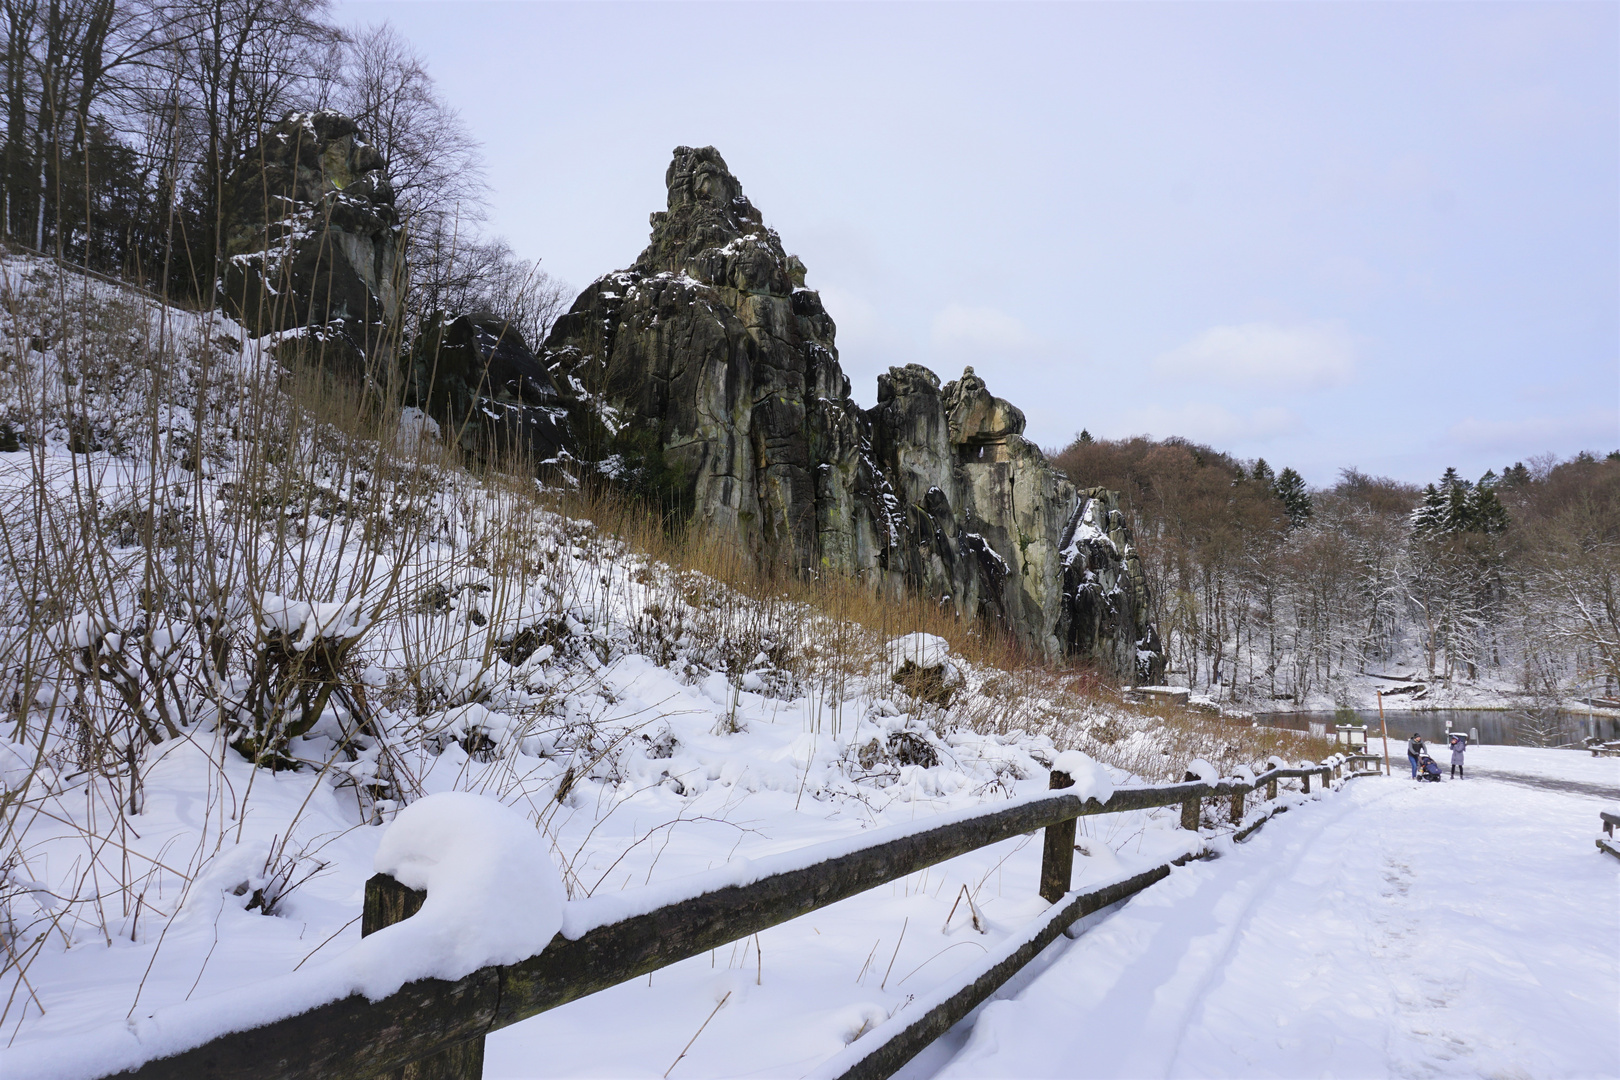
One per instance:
(1594, 429)
(1300, 357)
(1207, 422)
(960, 329)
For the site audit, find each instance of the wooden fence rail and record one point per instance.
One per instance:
(1606, 841)
(433, 1028)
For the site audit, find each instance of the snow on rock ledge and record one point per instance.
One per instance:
(1203, 772)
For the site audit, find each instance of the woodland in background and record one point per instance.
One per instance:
(125, 119)
(1264, 591)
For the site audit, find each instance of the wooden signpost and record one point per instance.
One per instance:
(1385, 725)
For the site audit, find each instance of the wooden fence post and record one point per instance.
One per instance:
(1271, 790)
(1057, 856)
(1306, 780)
(1192, 809)
(388, 902)
(1237, 808)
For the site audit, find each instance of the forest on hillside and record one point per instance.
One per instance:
(1267, 591)
(126, 119)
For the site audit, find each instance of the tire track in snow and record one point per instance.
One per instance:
(1449, 950)
(1252, 894)
(1546, 783)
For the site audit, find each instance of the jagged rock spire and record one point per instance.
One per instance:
(708, 373)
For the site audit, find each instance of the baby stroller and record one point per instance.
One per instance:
(1428, 771)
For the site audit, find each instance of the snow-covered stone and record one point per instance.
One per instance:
(923, 650)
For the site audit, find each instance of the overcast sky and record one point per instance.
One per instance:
(1379, 235)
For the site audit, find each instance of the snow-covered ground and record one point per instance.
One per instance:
(1391, 929)
(1453, 929)
(648, 723)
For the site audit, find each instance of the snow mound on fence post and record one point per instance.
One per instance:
(494, 897)
(493, 894)
(1203, 771)
(1091, 779)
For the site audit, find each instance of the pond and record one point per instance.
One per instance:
(1494, 726)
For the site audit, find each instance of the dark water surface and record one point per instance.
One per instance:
(1495, 727)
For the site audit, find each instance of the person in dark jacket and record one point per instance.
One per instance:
(1459, 743)
(1414, 750)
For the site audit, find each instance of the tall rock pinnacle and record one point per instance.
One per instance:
(706, 374)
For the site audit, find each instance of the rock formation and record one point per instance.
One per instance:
(311, 237)
(709, 365)
(477, 378)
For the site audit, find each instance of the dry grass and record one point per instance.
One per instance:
(137, 588)
(1013, 691)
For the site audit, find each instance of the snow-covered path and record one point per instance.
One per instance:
(1457, 929)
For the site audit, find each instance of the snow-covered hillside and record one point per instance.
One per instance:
(248, 616)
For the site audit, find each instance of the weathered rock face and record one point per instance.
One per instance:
(311, 236)
(709, 364)
(478, 380)
(710, 339)
(1105, 591)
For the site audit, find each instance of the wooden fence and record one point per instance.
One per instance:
(1606, 841)
(434, 1029)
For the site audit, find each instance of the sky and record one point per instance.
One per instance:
(1384, 236)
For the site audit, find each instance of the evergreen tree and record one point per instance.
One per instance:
(1290, 488)
(1486, 514)
(1458, 506)
(1516, 475)
(1458, 515)
(1085, 436)
(1262, 472)
(1429, 519)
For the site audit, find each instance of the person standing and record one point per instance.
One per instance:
(1459, 743)
(1414, 748)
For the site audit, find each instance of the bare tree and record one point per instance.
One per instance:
(433, 163)
(61, 60)
(438, 179)
(235, 67)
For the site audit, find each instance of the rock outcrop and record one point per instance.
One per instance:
(311, 237)
(709, 366)
(476, 377)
